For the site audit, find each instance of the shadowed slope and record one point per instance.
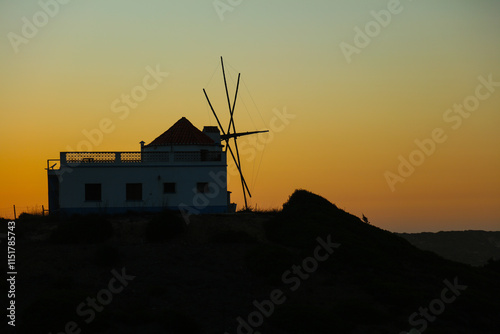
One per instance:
(394, 277)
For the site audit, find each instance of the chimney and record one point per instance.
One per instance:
(213, 133)
(142, 144)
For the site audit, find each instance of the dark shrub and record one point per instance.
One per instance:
(164, 226)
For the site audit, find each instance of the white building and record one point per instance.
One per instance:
(182, 169)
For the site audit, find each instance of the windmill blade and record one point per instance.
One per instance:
(240, 134)
(241, 172)
(228, 146)
(225, 85)
(226, 136)
(243, 183)
(231, 120)
(213, 111)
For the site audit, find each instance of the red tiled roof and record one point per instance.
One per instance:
(182, 133)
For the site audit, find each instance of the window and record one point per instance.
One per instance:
(169, 188)
(134, 192)
(92, 191)
(202, 187)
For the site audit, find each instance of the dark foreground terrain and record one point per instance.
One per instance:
(310, 268)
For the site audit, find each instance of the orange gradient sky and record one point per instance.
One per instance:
(351, 115)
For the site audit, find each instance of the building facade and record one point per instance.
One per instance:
(183, 169)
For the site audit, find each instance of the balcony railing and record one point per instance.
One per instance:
(134, 158)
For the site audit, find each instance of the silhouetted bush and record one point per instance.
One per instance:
(164, 226)
(83, 229)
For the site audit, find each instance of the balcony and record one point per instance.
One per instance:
(136, 158)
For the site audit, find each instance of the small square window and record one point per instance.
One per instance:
(169, 188)
(134, 191)
(202, 187)
(92, 191)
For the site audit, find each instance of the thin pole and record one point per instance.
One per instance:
(15, 217)
(231, 121)
(225, 84)
(228, 146)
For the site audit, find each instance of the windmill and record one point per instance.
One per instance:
(231, 133)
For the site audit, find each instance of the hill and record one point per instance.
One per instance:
(471, 247)
(310, 268)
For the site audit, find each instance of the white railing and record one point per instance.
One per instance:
(89, 157)
(131, 158)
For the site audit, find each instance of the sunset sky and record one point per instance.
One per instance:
(346, 88)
